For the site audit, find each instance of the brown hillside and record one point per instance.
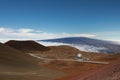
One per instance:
(26, 45)
(14, 65)
(96, 71)
(11, 56)
(110, 72)
(65, 51)
(59, 52)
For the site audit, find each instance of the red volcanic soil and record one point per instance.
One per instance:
(110, 72)
(62, 52)
(97, 72)
(51, 70)
(74, 70)
(70, 52)
(26, 45)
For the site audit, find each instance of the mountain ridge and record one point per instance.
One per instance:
(26, 46)
(102, 45)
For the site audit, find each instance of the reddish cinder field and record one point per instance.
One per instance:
(17, 64)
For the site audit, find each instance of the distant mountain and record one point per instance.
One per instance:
(26, 46)
(88, 44)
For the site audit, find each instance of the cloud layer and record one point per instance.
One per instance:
(86, 48)
(32, 34)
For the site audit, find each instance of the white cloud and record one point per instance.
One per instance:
(108, 35)
(25, 30)
(52, 43)
(86, 48)
(81, 35)
(2, 30)
(31, 34)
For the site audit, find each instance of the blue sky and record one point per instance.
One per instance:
(97, 18)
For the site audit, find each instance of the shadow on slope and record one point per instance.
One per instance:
(26, 46)
(15, 65)
(11, 56)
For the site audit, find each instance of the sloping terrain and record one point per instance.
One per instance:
(62, 51)
(26, 45)
(16, 65)
(110, 72)
(88, 44)
(96, 71)
(69, 52)
(10, 56)
(78, 70)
